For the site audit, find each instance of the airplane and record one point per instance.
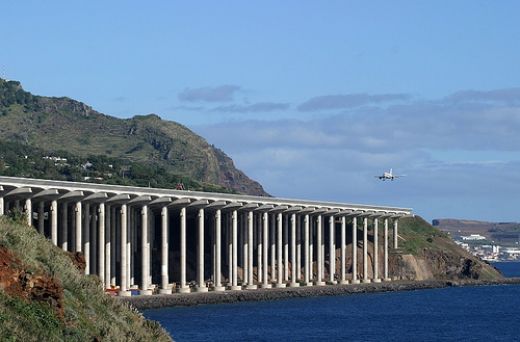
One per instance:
(388, 176)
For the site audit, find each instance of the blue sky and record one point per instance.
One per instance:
(311, 98)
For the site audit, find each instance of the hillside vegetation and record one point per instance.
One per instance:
(19, 160)
(425, 252)
(44, 296)
(53, 124)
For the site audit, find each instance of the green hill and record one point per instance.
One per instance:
(44, 296)
(54, 124)
(425, 252)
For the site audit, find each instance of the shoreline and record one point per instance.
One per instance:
(192, 299)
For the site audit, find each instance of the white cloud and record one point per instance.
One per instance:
(336, 157)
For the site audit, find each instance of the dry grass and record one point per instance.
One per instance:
(89, 313)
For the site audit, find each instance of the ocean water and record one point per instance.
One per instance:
(483, 313)
(508, 269)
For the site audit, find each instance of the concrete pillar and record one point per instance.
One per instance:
(298, 248)
(286, 248)
(293, 251)
(201, 284)
(240, 241)
(28, 211)
(165, 280)
(86, 237)
(245, 250)
(376, 251)
(98, 243)
(113, 246)
(218, 251)
(312, 226)
(265, 245)
(250, 284)
(151, 241)
(273, 248)
(93, 243)
(385, 268)
(259, 250)
(123, 289)
(306, 245)
(108, 246)
(64, 227)
(145, 253)
(279, 224)
(319, 230)
(229, 239)
(365, 250)
(101, 242)
(41, 217)
(343, 279)
(234, 238)
(54, 222)
(396, 233)
(332, 251)
(77, 227)
(355, 279)
(131, 245)
(2, 210)
(183, 287)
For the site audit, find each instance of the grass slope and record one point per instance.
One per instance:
(446, 259)
(84, 312)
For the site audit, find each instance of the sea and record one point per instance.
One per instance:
(478, 313)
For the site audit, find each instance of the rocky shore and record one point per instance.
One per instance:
(189, 299)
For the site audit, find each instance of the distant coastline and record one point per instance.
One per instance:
(190, 299)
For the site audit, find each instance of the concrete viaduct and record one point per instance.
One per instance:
(147, 239)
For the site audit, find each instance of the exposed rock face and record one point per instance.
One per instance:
(79, 260)
(439, 266)
(17, 281)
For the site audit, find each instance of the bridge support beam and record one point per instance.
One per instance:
(396, 233)
(123, 288)
(77, 227)
(218, 251)
(64, 227)
(332, 251)
(234, 238)
(385, 267)
(279, 224)
(355, 279)
(183, 287)
(265, 246)
(201, 284)
(145, 252)
(250, 224)
(376, 251)
(28, 211)
(319, 247)
(365, 250)
(343, 279)
(294, 283)
(306, 251)
(101, 242)
(165, 280)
